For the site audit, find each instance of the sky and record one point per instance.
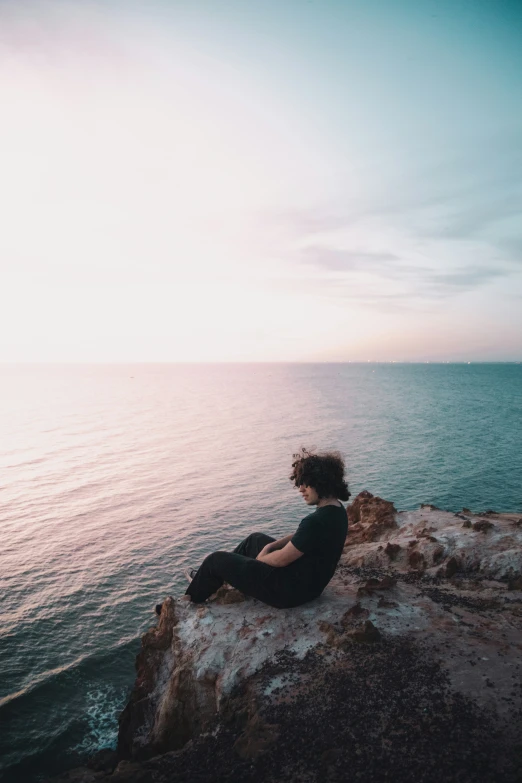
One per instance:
(260, 180)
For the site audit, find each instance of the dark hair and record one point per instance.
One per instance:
(324, 472)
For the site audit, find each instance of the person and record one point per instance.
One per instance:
(294, 569)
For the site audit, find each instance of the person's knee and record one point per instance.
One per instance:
(256, 535)
(215, 557)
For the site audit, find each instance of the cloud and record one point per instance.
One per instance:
(345, 260)
(378, 279)
(447, 230)
(446, 284)
(339, 290)
(473, 193)
(478, 217)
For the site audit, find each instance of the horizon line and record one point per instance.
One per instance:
(344, 361)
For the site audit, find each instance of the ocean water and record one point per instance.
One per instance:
(113, 478)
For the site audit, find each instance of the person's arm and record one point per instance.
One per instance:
(281, 557)
(273, 545)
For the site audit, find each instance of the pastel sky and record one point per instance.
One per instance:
(260, 180)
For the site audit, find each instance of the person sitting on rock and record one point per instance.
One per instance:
(296, 568)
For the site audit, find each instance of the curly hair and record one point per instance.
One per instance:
(324, 472)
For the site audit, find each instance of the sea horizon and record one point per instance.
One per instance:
(315, 361)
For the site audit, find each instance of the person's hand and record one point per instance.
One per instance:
(265, 551)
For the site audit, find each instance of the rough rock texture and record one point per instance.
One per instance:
(408, 667)
(369, 517)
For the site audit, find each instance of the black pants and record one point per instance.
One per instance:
(241, 570)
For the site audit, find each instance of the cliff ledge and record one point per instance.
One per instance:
(408, 667)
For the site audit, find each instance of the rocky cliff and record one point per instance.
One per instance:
(408, 667)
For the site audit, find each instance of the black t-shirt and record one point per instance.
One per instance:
(321, 537)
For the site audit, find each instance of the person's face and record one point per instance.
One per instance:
(309, 494)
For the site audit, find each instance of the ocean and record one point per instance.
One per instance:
(113, 478)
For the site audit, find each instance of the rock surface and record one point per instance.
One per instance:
(408, 667)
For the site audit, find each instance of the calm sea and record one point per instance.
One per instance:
(113, 478)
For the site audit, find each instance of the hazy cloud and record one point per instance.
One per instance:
(444, 284)
(345, 260)
(450, 229)
(414, 280)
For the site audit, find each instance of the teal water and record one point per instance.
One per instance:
(113, 478)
